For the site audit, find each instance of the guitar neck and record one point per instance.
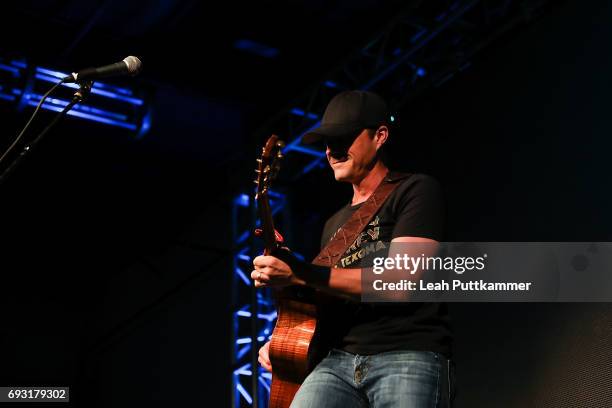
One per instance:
(266, 172)
(267, 224)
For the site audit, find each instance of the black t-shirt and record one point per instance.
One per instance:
(415, 208)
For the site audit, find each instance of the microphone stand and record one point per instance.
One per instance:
(79, 96)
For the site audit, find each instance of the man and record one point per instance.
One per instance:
(383, 355)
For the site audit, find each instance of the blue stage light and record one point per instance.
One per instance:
(15, 71)
(7, 97)
(242, 200)
(242, 276)
(300, 112)
(19, 64)
(330, 84)
(145, 125)
(244, 393)
(83, 108)
(83, 115)
(256, 48)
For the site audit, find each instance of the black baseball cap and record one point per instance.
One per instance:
(347, 114)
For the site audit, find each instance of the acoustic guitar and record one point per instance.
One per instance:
(292, 345)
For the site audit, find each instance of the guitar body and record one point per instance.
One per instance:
(291, 348)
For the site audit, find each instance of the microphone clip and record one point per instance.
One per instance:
(83, 92)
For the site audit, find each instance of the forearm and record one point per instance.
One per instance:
(346, 282)
(334, 281)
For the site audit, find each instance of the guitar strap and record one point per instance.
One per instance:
(348, 233)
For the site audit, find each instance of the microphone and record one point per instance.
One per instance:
(129, 66)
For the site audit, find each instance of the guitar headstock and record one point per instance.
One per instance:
(268, 165)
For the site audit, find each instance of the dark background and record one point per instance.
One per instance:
(116, 252)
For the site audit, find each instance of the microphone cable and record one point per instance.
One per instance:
(12, 146)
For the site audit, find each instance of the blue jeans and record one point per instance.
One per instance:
(398, 379)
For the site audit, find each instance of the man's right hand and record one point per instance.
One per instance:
(264, 357)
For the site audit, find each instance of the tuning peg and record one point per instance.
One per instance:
(280, 144)
(257, 171)
(258, 160)
(256, 181)
(280, 155)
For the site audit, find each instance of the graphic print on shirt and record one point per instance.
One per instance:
(366, 243)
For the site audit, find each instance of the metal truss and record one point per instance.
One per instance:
(24, 85)
(254, 314)
(423, 47)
